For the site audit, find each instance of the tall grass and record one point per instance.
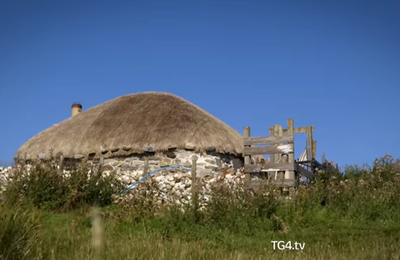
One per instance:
(350, 217)
(18, 231)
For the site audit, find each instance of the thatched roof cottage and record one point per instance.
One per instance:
(130, 127)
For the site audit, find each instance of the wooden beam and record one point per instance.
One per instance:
(280, 133)
(261, 150)
(298, 130)
(269, 167)
(285, 182)
(275, 156)
(247, 159)
(290, 132)
(303, 171)
(314, 149)
(271, 134)
(268, 140)
(309, 143)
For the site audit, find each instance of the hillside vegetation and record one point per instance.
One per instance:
(355, 216)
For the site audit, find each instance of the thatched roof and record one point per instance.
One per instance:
(132, 124)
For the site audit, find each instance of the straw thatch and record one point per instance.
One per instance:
(133, 124)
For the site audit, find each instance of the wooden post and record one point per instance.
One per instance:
(195, 200)
(194, 172)
(323, 158)
(276, 133)
(61, 165)
(314, 149)
(146, 166)
(271, 133)
(290, 131)
(97, 232)
(247, 158)
(309, 145)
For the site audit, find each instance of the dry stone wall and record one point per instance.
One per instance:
(131, 169)
(5, 175)
(170, 184)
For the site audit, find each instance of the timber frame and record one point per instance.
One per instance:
(282, 169)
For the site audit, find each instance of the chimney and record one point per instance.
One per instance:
(76, 108)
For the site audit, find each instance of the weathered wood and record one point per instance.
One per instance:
(268, 140)
(61, 165)
(285, 182)
(271, 134)
(303, 171)
(298, 130)
(247, 158)
(280, 133)
(146, 166)
(314, 149)
(290, 132)
(194, 173)
(276, 149)
(323, 158)
(268, 167)
(275, 156)
(194, 188)
(309, 143)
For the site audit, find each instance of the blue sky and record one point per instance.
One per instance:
(331, 64)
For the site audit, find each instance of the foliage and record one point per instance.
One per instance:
(342, 217)
(45, 187)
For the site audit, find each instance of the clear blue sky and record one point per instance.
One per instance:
(331, 64)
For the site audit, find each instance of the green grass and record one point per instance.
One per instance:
(360, 219)
(68, 236)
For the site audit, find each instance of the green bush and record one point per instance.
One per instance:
(46, 188)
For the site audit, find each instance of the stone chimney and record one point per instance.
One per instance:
(76, 108)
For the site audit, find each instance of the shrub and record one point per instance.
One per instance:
(46, 188)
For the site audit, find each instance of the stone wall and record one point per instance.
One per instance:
(131, 169)
(5, 174)
(169, 185)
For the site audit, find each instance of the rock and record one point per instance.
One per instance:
(149, 149)
(108, 168)
(154, 162)
(171, 154)
(109, 161)
(218, 162)
(207, 178)
(229, 176)
(210, 149)
(190, 147)
(187, 164)
(129, 167)
(78, 156)
(115, 149)
(104, 150)
(211, 161)
(201, 173)
(127, 148)
(165, 162)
